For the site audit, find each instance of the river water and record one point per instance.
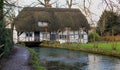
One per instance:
(62, 59)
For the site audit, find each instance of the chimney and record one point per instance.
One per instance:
(47, 4)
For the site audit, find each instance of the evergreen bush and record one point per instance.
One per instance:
(8, 40)
(2, 32)
(2, 36)
(93, 37)
(5, 38)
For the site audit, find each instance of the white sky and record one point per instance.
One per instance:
(95, 7)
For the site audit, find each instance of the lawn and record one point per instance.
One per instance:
(101, 45)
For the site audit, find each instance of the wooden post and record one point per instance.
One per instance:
(17, 36)
(39, 36)
(80, 34)
(74, 34)
(62, 36)
(46, 33)
(28, 36)
(95, 42)
(42, 36)
(68, 34)
(58, 36)
(113, 40)
(25, 36)
(83, 29)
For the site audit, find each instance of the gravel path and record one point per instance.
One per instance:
(18, 61)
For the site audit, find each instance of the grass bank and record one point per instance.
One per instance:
(104, 48)
(34, 60)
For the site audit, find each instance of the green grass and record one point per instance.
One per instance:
(34, 60)
(101, 45)
(104, 48)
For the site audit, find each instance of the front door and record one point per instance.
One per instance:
(37, 36)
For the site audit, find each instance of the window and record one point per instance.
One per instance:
(62, 36)
(42, 24)
(82, 35)
(29, 34)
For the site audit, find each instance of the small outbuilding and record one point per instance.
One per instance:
(59, 24)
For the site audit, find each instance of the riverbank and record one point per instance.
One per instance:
(63, 59)
(33, 60)
(102, 48)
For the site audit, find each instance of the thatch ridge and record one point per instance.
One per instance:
(50, 9)
(58, 18)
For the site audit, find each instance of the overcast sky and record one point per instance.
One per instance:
(96, 6)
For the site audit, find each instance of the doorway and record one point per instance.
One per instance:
(37, 36)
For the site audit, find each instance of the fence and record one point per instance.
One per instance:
(1, 51)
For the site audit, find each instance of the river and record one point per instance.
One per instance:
(62, 59)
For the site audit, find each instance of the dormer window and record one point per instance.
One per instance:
(42, 24)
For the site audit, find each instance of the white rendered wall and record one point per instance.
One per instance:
(23, 37)
(75, 38)
(14, 35)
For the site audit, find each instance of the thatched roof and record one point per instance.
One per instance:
(58, 18)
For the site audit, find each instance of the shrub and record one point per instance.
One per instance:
(2, 32)
(93, 36)
(6, 38)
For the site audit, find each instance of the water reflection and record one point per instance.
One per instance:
(97, 62)
(61, 59)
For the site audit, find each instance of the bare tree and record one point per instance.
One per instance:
(112, 5)
(57, 4)
(85, 7)
(70, 3)
(10, 8)
(44, 3)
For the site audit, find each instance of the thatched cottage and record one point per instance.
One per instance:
(61, 24)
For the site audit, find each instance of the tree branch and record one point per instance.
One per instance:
(41, 3)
